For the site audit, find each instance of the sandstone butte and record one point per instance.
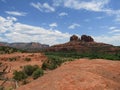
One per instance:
(84, 44)
(82, 74)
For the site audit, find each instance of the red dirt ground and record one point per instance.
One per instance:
(80, 74)
(36, 59)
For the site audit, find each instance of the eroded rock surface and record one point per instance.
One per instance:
(81, 74)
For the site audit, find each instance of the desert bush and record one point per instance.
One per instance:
(27, 59)
(6, 49)
(19, 75)
(12, 59)
(55, 59)
(92, 55)
(0, 63)
(47, 65)
(2, 88)
(52, 62)
(28, 69)
(37, 73)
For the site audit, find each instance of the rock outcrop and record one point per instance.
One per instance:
(85, 44)
(74, 38)
(86, 38)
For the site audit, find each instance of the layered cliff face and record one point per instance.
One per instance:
(84, 44)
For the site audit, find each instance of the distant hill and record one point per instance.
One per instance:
(85, 44)
(8, 50)
(33, 46)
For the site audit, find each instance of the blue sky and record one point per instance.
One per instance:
(54, 21)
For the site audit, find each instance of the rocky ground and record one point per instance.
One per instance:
(80, 74)
(15, 61)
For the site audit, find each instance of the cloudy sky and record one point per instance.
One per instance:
(54, 21)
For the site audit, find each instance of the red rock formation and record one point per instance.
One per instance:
(86, 44)
(74, 38)
(86, 38)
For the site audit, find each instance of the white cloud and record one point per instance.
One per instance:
(115, 13)
(45, 7)
(111, 28)
(115, 31)
(114, 39)
(118, 18)
(6, 23)
(53, 25)
(63, 14)
(92, 5)
(14, 31)
(113, 36)
(16, 13)
(74, 25)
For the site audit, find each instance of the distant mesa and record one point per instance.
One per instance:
(33, 46)
(84, 38)
(84, 44)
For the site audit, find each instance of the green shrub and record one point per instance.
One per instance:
(52, 62)
(13, 59)
(29, 69)
(55, 59)
(39, 72)
(27, 59)
(35, 67)
(2, 88)
(45, 65)
(0, 63)
(6, 49)
(94, 54)
(50, 66)
(19, 75)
